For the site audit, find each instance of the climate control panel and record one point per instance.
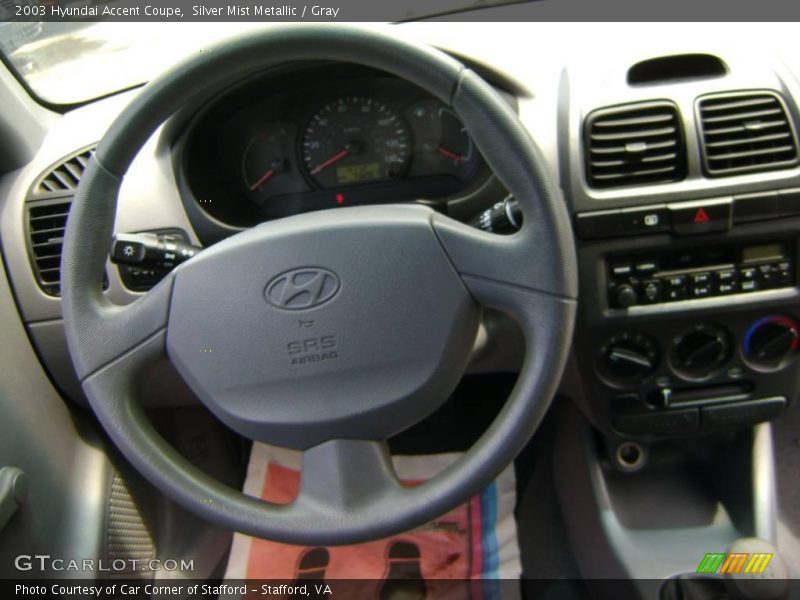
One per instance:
(700, 377)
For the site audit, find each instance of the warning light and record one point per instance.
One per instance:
(701, 216)
(339, 198)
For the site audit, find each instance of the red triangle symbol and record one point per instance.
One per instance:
(701, 216)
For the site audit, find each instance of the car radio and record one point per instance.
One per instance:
(700, 272)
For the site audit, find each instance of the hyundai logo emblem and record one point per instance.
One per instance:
(303, 288)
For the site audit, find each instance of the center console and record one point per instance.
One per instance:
(684, 190)
(690, 336)
(686, 206)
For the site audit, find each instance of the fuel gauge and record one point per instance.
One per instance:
(443, 144)
(454, 144)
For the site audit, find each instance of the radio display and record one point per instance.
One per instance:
(765, 252)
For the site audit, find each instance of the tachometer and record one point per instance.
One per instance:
(263, 159)
(355, 140)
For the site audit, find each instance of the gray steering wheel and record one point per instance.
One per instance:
(326, 332)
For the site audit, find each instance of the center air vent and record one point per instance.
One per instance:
(635, 144)
(746, 132)
(47, 210)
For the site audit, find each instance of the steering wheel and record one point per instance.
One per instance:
(326, 332)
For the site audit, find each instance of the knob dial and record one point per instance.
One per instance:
(771, 340)
(699, 351)
(627, 358)
(625, 295)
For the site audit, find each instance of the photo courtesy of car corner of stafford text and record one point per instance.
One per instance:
(410, 300)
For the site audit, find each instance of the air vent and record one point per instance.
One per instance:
(48, 207)
(64, 177)
(635, 144)
(46, 223)
(745, 133)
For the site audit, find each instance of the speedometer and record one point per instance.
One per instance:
(355, 140)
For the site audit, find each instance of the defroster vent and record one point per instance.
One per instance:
(634, 144)
(745, 132)
(63, 177)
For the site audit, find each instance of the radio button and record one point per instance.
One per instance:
(726, 276)
(726, 282)
(674, 294)
(651, 291)
(677, 281)
(749, 285)
(701, 279)
(784, 273)
(675, 288)
(621, 269)
(645, 267)
(701, 291)
(747, 273)
(766, 275)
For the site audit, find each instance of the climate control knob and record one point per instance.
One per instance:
(771, 340)
(699, 351)
(627, 358)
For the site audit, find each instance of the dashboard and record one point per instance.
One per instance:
(689, 312)
(322, 136)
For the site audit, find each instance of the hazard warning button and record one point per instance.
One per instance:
(701, 216)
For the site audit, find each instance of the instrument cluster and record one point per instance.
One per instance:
(319, 138)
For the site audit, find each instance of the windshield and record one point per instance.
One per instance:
(67, 63)
(72, 62)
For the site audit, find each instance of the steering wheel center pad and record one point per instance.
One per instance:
(348, 324)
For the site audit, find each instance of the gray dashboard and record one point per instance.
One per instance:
(555, 88)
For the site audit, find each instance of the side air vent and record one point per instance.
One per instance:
(64, 177)
(47, 209)
(46, 223)
(634, 144)
(745, 132)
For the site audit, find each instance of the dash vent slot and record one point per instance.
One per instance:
(47, 209)
(47, 221)
(634, 144)
(746, 132)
